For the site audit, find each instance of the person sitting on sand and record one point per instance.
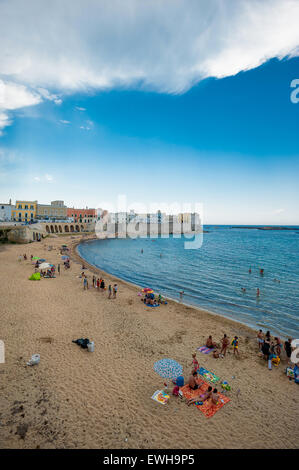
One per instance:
(210, 344)
(192, 382)
(214, 398)
(260, 339)
(216, 354)
(224, 345)
(201, 398)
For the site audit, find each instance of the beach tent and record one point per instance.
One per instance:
(35, 277)
(44, 266)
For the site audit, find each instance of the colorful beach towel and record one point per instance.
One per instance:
(161, 397)
(206, 408)
(209, 375)
(205, 350)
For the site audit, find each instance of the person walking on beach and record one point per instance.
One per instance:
(235, 344)
(109, 291)
(102, 285)
(98, 284)
(260, 339)
(181, 295)
(85, 283)
(114, 291)
(224, 345)
(58, 269)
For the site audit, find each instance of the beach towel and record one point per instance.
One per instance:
(161, 397)
(35, 277)
(150, 305)
(206, 408)
(209, 375)
(205, 350)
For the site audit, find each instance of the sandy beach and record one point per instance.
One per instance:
(77, 399)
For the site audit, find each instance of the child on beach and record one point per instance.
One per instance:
(109, 291)
(260, 339)
(235, 344)
(114, 291)
(195, 362)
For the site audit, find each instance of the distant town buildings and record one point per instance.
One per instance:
(6, 211)
(25, 211)
(56, 210)
(82, 215)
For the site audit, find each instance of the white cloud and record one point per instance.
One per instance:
(48, 96)
(45, 178)
(63, 121)
(165, 46)
(79, 108)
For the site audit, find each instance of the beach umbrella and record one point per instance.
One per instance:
(64, 246)
(147, 290)
(64, 257)
(168, 368)
(35, 257)
(44, 266)
(42, 260)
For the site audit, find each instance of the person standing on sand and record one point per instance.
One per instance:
(102, 285)
(224, 345)
(58, 269)
(235, 344)
(260, 339)
(109, 291)
(114, 291)
(194, 362)
(85, 283)
(98, 284)
(181, 295)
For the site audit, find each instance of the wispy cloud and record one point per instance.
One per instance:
(161, 46)
(45, 178)
(78, 108)
(63, 121)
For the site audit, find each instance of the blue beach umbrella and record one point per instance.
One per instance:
(168, 368)
(64, 257)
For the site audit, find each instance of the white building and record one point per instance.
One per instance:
(5, 211)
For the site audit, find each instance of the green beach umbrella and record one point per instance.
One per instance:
(35, 257)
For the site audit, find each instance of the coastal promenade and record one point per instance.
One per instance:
(76, 399)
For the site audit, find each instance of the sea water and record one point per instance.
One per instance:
(212, 277)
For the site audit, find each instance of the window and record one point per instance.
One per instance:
(20, 206)
(26, 215)
(31, 207)
(26, 207)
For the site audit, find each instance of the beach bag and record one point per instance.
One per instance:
(180, 381)
(176, 390)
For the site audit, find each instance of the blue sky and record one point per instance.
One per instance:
(229, 142)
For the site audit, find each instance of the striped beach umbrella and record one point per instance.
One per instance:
(168, 368)
(147, 290)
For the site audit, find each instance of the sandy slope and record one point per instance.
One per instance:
(78, 399)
